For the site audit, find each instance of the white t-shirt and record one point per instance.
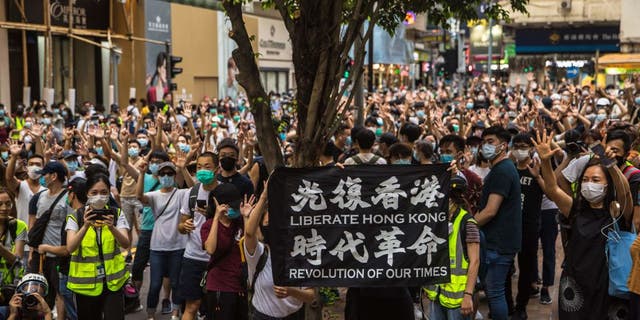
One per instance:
(481, 172)
(165, 235)
(365, 157)
(22, 201)
(194, 249)
(264, 299)
(575, 167)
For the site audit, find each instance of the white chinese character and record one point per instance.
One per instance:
(565, 37)
(587, 36)
(427, 192)
(574, 36)
(580, 36)
(427, 243)
(351, 246)
(389, 192)
(308, 193)
(596, 36)
(389, 244)
(312, 246)
(349, 198)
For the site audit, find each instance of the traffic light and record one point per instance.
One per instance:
(174, 71)
(347, 67)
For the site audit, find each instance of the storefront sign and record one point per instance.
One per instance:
(273, 40)
(584, 39)
(356, 227)
(86, 14)
(157, 26)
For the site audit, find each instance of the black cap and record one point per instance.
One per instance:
(53, 167)
(458, 183)
(227, 193)
(69, 154)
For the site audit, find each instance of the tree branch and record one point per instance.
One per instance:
(284, 12)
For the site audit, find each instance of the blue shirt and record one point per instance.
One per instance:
(150, 184)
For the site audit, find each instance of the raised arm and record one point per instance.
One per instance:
(551, 188)
(10, 174)
(140, 185)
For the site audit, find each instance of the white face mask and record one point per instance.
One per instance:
(31, 171)
(593, 192)
(521, 155)
(97, 202)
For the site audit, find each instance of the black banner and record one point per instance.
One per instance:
(361, 226)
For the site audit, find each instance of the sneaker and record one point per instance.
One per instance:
(519, 315)
(479, 316)
(535, 292)
(545, 298)
(139, 308)
(175, 318)
(166, 306)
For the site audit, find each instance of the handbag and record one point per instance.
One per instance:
(619, 259)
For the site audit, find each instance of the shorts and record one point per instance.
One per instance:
(190, 277)
(131, 207)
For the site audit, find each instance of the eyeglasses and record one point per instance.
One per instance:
(163, 174)
(6, 204)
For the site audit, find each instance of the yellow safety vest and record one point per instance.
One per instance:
(6, 276)
(83, 269)
(450, 295)
(19, 125)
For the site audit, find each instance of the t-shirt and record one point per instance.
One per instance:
(165, 236)
(480, 171)
(225, 268)
(531, 195)
(504, 231)
(150, 184)
(22, 201)
(264, 299)
(575, 167)
(241, 182)
(194, 249)
(365, 157)
(52, 234)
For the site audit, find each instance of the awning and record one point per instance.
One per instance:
(619, 60)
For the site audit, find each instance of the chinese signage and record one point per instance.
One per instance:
(157, 26)
(361, 226)
(584, 39)
(273, 40)
(86, 14)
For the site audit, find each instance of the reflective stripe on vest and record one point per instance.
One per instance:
(450, 295)
(83, 268)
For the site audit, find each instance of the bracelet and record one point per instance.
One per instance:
(468, 293)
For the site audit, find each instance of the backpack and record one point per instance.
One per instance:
(358, 160)
(482, 268)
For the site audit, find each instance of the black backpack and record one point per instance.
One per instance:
(36, 233)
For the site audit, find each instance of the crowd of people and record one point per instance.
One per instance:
(529, 162)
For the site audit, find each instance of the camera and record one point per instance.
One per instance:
(29, 301)
(100, 214)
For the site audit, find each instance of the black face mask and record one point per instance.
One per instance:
(265, 233)
(620, 161)
(228, 163)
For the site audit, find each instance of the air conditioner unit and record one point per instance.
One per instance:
(565, 4)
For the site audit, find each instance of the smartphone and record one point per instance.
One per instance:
(101, 214)
(599, 150)
(201, 203)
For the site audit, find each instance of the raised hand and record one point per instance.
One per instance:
(152, 130)
(543, 145)
(247, 205)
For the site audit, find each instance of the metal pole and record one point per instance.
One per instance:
(597, 67)
(70, 16)
(25, 63)
(490, 53)
(370, 66)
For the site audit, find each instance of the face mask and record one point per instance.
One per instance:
(228, 163)
(133, 152)
(154, 167)
(446, 158)
(27, 125)
(532, 124)
(456, 127)
(480, 98)
(372, 129)
(99, 151)
(521, 155)
(166, 181)
(56, 111)
(496, 102)
(72, 166)
(97, 202)
(469, 105)
(143, 143)
(31, 171)
(585, 92)
(205, 176)
(283, 136)
(379, 122)
(474, 151)
(221, 116)
(378, 132)
(236, 118)
(601, 117)
(620, 161)
(184, 147)
(489, 151)
(637, 100)
(420, 113)
(1, 112)
(241, 108)
(233, 213)
(46, 121)
(5, 155)
(402, 161)
(593, 192)
(42, 181)
(65, 114)
(347, 141)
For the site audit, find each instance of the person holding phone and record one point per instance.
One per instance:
(193, 216)
(95, 235)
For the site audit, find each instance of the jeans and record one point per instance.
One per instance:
(497, 268)
(142, 255)
(548, 236)
(164, 263)
(67, 295)
(438, 312)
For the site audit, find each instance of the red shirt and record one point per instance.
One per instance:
(225, 266)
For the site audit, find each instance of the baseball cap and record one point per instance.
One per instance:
(167, 164)
(458, 183)
(53, 167)
(227, 193)
(68, 154)
(603, 102)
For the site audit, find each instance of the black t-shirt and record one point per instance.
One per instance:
(504, 231)
(241, 182)
(531, 199)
